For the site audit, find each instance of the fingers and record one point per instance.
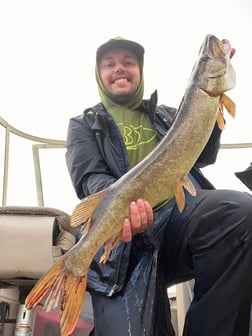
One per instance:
(140, 217)
(136, 216)
(149, 212)
(126, 231)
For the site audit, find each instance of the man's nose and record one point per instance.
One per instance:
(119, 68)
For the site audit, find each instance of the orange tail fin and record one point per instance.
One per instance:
(65, 292)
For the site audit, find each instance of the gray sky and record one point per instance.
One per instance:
(47, 66)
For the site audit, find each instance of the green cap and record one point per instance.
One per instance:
(119, 42)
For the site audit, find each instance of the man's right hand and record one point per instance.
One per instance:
(140, 218)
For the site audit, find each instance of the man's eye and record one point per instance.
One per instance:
(130, 63)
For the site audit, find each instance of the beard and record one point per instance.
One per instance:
(122, 97)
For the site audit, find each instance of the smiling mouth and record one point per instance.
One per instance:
(120, 80)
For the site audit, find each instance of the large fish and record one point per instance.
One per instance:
(162, 172)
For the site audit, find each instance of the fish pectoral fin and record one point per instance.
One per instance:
(228, 104)
(108, 247)
(186, 183)
(180, 196)
(220, 120)
(65, 292)
(85, 209)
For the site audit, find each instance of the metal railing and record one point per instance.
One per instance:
(41, 143)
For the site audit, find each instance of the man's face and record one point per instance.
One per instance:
(120, 74)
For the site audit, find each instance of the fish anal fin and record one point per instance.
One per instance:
(87, 227)
(108, 247)
(85, 209)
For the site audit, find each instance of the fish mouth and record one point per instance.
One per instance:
(227, 46)
(232, 52)
(213, 47)
(219, 74)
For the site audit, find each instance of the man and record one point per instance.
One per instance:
(209, 241)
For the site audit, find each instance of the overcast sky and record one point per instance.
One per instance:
(48, 50)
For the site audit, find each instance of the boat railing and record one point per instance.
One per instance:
(40, 143)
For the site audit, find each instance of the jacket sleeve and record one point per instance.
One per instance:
(88, 171)
(209, 154)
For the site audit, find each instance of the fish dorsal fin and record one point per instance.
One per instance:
(85, 209)
(186, 183)
(229, 105)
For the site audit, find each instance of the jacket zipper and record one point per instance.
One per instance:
(116, 286)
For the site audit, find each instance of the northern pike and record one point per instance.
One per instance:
(164, 170)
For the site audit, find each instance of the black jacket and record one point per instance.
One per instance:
(96, 157)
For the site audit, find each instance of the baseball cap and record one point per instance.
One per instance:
(119, 42)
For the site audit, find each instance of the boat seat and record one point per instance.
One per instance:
(31, 240)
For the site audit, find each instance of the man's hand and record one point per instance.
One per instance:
(140, 218)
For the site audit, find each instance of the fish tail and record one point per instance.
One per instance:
(44, 285)
(74, 291)
(65, 292)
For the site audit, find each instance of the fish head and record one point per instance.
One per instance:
(213, 71)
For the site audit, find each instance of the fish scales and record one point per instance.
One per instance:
(164, 170)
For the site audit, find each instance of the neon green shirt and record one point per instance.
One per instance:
(139, 136)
